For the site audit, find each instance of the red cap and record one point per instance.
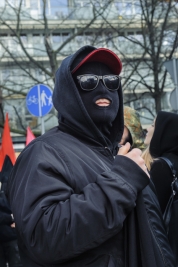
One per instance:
(105, 56)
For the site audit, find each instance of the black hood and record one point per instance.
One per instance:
(165, 136)
(68, 103)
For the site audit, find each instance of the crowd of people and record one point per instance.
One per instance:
(93, 190)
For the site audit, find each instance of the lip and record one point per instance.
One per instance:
(103, 102)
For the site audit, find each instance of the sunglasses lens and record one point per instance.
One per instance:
(88, 82)
(112, 82)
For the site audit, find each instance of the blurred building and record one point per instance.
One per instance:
(33, 32)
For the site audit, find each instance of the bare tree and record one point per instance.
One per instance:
(144, 40)
(26, 64)
(151, 41)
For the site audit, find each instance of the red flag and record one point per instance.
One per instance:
(30, 136)
(7, 144)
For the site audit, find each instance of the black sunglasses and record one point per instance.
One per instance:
(89, 82)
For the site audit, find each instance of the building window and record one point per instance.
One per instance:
(65, 35)
(128, 8)
(121, 38)
(36, 39)
(2, 3)
(23, 37)
(5, 74)
(34, 4)
(79, 39)
(3, 38)
(59, 37)
(89, 38)
(137, 8)
(56, 8)
(56, 38)
(109, 39)
(119, 7)
(58, 3)
(13, 41)
(82, 3)
(139, 37)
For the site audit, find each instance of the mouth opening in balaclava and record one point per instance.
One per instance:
(102, 114)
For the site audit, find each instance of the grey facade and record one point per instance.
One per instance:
(35, 35)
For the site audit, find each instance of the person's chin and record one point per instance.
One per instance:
(102, 107)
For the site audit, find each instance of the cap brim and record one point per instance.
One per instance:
(104, 56)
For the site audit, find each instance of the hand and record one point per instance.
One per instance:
(135, 155)
(13, 225)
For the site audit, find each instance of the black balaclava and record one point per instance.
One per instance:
(101, 116)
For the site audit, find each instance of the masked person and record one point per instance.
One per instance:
(72, 195)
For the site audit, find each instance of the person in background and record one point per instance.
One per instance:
(146, 152)
(133, 131)
(162, 140)
(76, 199)
(147, 157)
(5, 217)
(9, 252)
(6, 233)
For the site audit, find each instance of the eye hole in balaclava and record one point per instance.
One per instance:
(101, 104)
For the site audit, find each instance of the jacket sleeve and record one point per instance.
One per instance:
(57, 224)
(5, 219)
(5, 216)
(162, 178)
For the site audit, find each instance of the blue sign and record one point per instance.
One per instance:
(39, 100)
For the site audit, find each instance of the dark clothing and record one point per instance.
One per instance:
(5, 219)
(9, 252)
(161, 253)
(2, 257)
(5, 215)
(73, 198)
(164, 143)
(6, 232)
(165, 136)
(77, 207)
(162, 178)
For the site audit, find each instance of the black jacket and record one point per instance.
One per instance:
(6, 232)
(5, 213)
(164, 143)
(73, 200)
